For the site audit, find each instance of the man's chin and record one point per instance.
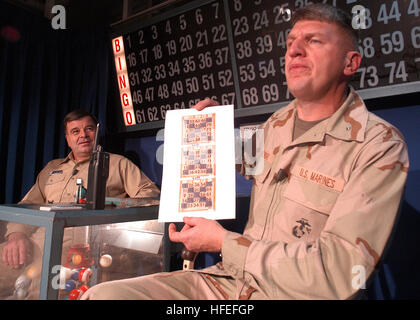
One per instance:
(301, 90)
(298, 92)
(85, 151)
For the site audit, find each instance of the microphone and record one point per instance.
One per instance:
(75, 171)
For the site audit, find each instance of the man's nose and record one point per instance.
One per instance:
(84, 132)
(296, 48)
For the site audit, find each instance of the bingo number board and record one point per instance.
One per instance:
(233, 51)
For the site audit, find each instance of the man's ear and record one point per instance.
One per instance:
(352, 63)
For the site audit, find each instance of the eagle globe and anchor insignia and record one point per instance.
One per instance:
(302, 228)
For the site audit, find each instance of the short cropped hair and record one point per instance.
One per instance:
(330, 14)
(76, 115)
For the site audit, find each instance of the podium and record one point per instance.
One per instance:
(56, 221)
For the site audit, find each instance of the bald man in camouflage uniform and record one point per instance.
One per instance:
(325, 203)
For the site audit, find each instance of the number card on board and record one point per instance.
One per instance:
(198, 165)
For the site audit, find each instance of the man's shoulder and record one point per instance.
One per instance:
(378, 128)
(52, 165)
(118, 159)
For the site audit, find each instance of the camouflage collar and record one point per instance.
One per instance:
(350, 120)
(347, 123)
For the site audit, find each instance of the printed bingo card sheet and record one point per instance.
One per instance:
(198, 165)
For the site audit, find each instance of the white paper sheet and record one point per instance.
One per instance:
(188, 168)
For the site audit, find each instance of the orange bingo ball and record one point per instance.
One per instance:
(76, 259)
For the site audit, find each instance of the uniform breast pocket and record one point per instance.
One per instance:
(54, 179)
(311, 195)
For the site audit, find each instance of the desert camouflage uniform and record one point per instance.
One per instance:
(56, 183)
(322, 211)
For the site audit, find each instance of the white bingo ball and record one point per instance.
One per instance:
(105, 261)
(20, 293)
(23, 282)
